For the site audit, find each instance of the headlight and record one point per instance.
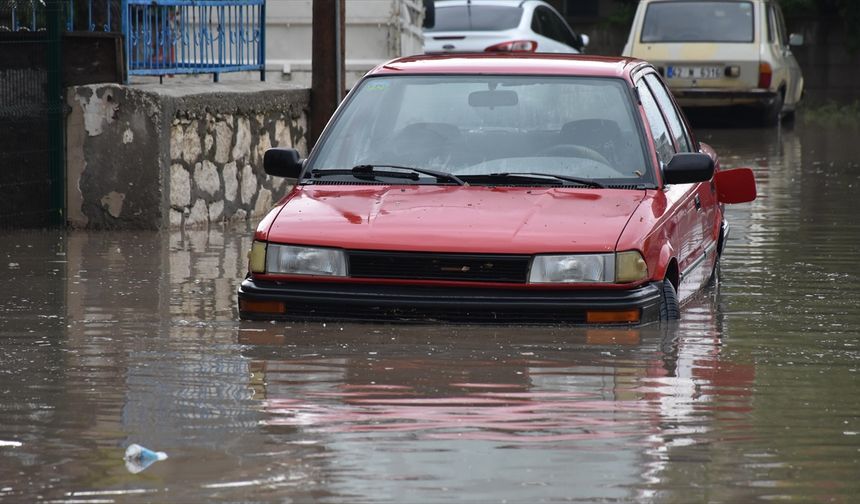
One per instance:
(291, 260)
(580, 268)
(623, 267)
(630, 266)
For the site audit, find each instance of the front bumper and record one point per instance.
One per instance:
(715, 97)
(342, 301)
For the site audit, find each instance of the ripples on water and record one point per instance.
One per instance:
(114, 338)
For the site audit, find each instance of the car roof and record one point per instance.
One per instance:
(689, 1)
(511, 63)
(515, 3)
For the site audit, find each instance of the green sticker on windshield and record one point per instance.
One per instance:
(377, 86)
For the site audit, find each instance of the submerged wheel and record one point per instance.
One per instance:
(771, 114)
(669, 309)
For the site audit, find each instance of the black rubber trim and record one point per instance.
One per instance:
(342, 301)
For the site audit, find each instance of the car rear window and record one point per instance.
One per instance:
(698, 22)
(477, 18)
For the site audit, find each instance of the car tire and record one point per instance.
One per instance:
(771, 114)
(669, 308)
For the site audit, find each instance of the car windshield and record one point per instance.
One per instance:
(473, 126)
(698, 22)
(476, 18)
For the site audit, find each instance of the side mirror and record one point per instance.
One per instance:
(280, 162)
(584, 39)
(429, 13)
(795, 39)
(688, 168)
(735, 186)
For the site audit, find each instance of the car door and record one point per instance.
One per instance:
(681, 222)
(706, 228)
(786, 57)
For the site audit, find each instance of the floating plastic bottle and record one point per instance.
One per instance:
(138, 458)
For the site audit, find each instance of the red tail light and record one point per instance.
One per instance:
(514, 46)
(765, 73)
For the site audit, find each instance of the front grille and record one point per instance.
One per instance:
(426, 266)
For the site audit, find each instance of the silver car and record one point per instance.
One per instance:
(721, 52)
(500, 25)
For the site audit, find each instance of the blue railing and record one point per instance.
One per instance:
(165, 37)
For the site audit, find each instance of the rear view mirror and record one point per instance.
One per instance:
(688, 168)
(584, 39)
(735, 186)
(280, 162)
(490, 99)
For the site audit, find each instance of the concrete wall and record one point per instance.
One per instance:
(179, 155)
(830, 71)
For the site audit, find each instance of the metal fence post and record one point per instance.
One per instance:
(261, 58)
(126, 39)
(56, 137)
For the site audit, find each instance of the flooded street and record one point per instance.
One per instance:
(109, 339)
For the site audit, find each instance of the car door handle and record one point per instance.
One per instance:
(698, 202)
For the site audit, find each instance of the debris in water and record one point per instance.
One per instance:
(138, 458)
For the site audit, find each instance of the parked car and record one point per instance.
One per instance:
(496, 188)
(721, 52)
(500, 26)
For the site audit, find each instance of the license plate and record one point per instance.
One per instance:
(694, 72)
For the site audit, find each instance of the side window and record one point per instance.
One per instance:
(771, 23)
(659, 130)
(540, 23)
(676, 124)
(781, 34)
(565, 36)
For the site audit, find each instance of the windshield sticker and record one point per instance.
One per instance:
(378, 86)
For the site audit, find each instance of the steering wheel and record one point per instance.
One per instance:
(573, 150)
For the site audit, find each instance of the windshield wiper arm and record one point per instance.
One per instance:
(576, 180)
(367, 169)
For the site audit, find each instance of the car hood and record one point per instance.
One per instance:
(513, 220)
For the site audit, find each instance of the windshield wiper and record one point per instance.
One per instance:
(368, 171)
(576, 180)
(368, 168)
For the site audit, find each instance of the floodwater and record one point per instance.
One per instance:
(110, 339)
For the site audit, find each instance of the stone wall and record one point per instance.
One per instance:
(177, 155)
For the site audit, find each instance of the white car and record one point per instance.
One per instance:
(500, 26)
(716, 53)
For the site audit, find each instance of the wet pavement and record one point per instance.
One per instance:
(109, 339)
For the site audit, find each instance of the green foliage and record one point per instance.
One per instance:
(832, 113)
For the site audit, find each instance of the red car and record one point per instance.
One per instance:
(496, 188)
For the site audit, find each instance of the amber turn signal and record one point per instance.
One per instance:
(613, 317)
(257, 257)
(248, 305)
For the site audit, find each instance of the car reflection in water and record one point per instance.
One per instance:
(608, 397)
